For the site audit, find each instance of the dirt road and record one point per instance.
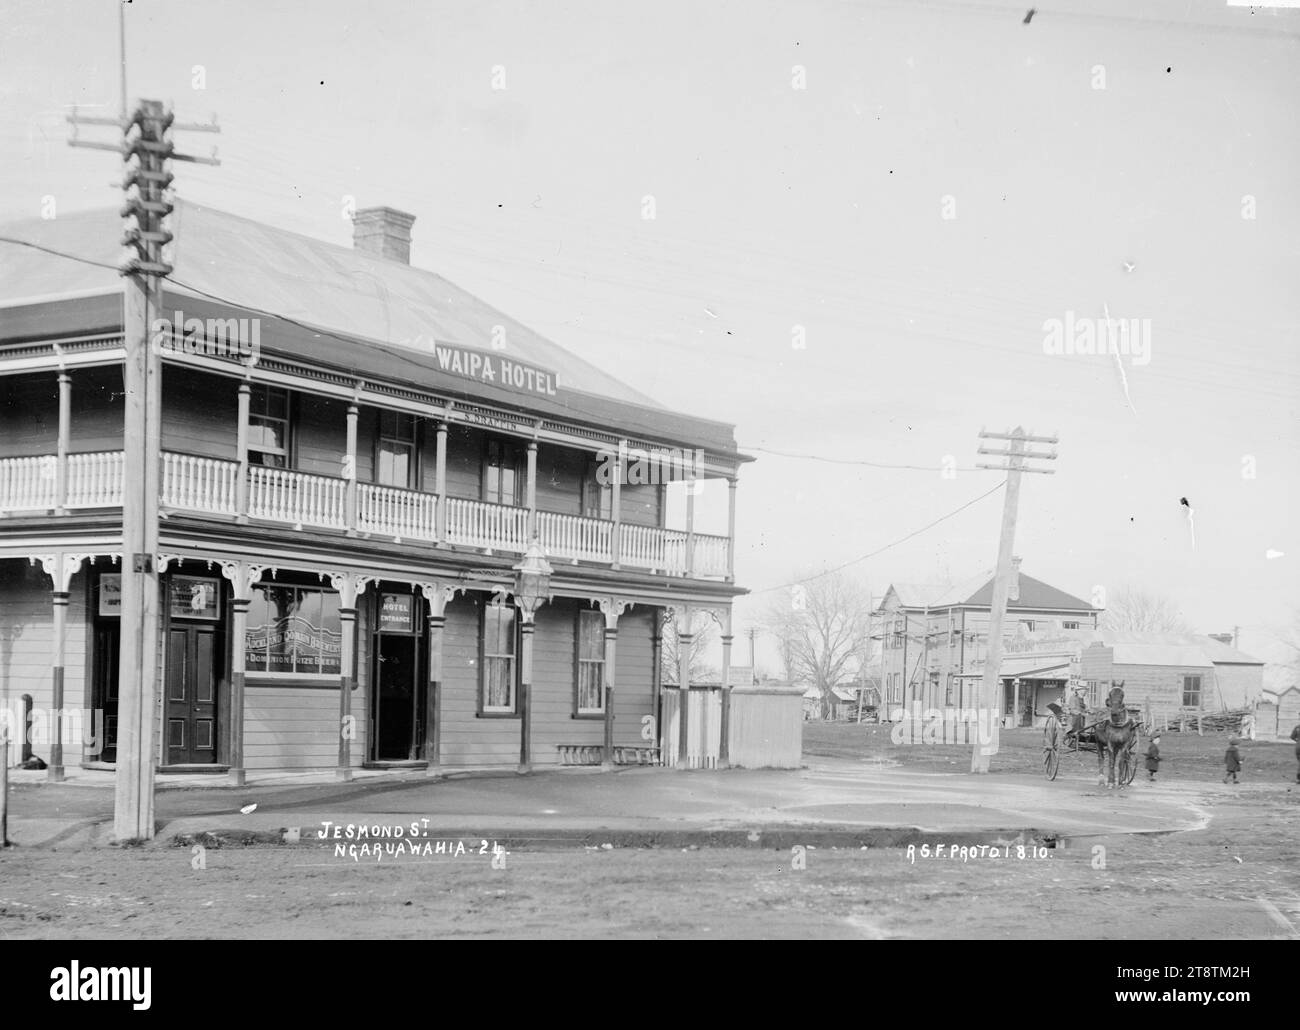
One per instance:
(1236, 879)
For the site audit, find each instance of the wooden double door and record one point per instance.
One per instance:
(192, 681)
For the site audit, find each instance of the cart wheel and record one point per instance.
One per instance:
(1051, 752)
(1127, 767)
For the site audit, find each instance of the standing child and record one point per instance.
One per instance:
(1232, 760)
(1153, 758)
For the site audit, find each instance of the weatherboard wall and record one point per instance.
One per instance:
(27, 651)
(471, 739)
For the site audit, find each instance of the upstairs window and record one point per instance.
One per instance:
(395, 460)
(503, 477)
(597, 498)
(268, 426)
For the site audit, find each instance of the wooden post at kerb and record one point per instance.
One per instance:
(611, 643)
(433, 699)
(525, 684)
(243, 577)
(437, 595)
(55, 771)
(133, 816)
(348, 585)
(348, 626)
(65, 435)
(611, 608)
(724, 743)
(238, 669)
(685, 638)
(4, 786)
(657, 682)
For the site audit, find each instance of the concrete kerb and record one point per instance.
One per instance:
(778, 838)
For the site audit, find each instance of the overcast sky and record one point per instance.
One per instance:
(913, 190)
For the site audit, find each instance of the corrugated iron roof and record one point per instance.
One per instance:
(400, 309)
(1191, 649)
(977, 591)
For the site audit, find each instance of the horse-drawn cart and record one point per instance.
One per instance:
(1100, 731)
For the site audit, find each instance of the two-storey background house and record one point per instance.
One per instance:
(934, 644)
(371, 463)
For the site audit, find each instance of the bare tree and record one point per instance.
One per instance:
(822, 629)
(704, 629)
(1140, 611)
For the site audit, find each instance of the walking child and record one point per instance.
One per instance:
(1232, 760)
(1153, 758)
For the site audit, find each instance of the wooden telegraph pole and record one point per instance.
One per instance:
(1017, 456)
(145, 148)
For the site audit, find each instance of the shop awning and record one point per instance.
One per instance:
(1035, 667)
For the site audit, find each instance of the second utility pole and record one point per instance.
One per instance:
(990, 691)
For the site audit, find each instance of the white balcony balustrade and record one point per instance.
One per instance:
(397, 513)
(575, 537)
(659, 550)
(28, 484)
(297, 497)
(193, 483)
(496, 527)
(210, 486)
(710, 555)
(95, 480)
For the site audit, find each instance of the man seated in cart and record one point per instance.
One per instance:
(1077, 710)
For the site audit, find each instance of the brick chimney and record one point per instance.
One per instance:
(384, 232)
(1013, 588)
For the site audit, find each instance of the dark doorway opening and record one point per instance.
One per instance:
(104, 672)
(398, 720)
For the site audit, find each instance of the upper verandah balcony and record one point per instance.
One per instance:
(261, 454)
(340, 325)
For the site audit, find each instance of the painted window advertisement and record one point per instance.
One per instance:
(293, 631)
(195, 598)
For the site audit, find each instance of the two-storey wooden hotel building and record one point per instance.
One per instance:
(355, 456)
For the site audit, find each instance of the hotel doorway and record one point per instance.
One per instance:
(106, 611)
(193, 670)
(398, 707)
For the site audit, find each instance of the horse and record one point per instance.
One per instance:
(1115, 731)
